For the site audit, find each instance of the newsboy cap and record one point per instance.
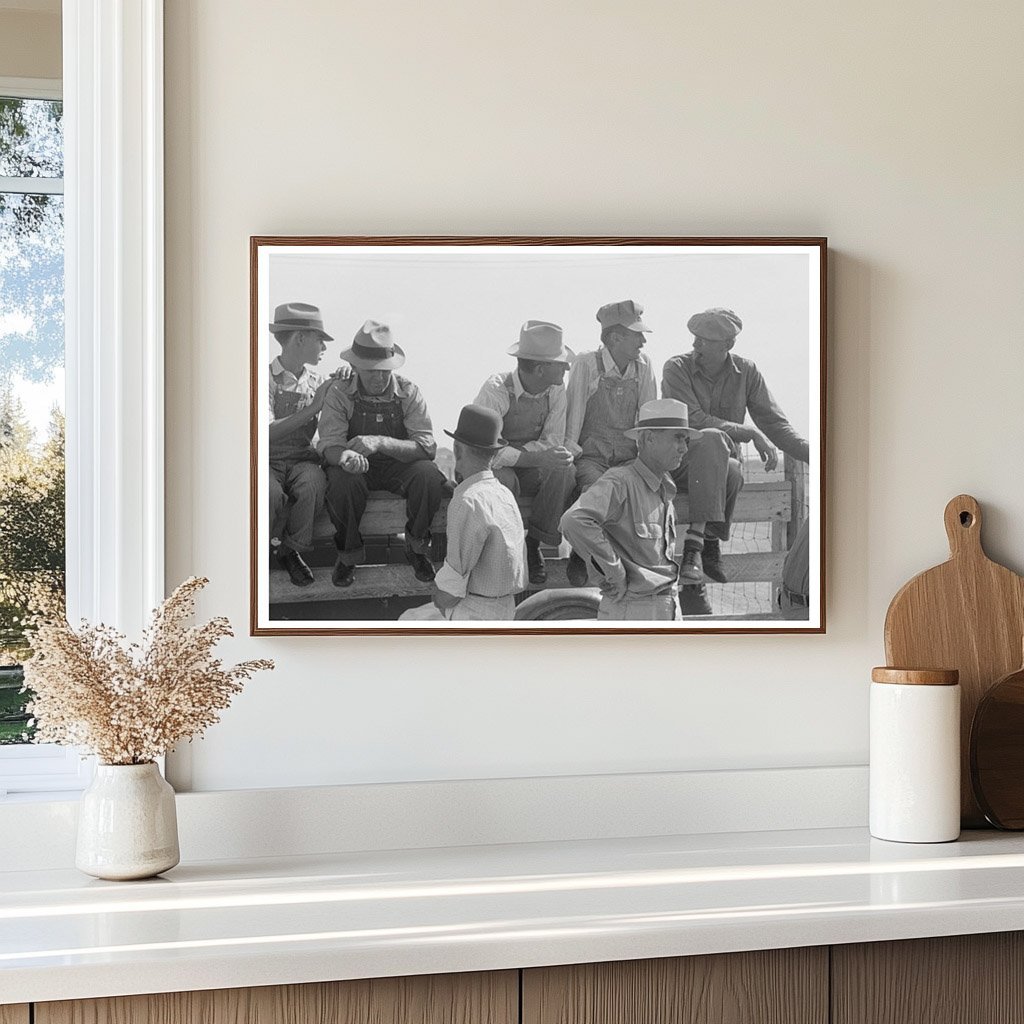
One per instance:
(716, 324)
(626, 314)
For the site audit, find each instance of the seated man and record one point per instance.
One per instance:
(535, 463)
(484, 567)
(624, 524)
(606, 388)
(382, 417)
(297, 484)
(719, 389)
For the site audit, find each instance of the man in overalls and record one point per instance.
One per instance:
(535, 463)
(606, 389)
(297, 484)
(382, 417)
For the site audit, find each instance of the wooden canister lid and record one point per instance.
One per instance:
(916, 676)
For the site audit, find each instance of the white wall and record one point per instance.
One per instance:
(894, 129)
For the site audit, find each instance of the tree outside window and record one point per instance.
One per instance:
(31, 385)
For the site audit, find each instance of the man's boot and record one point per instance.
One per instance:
(535, 562)
(689, 567)
(295, 565)
(712, 560)
(693, 600)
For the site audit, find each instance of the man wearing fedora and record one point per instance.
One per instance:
(720, 389)
(382, 417)
(485, 566)
(624, 524)
(535, 463)
(606, 388)
(297, 482)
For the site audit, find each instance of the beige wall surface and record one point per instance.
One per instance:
(893, 129)
(29, 45)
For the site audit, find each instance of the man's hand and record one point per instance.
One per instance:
(767, 451)
(443, 601)
(554, 458)
(353, 462)
(366, 444)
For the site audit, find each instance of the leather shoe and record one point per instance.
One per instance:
(343, 574)
(535, 562)
(421, 567)
(693, 600)
(712, 560)
(300, 574)
(576, 570)
(689, 569)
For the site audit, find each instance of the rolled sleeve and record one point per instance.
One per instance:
(417, 421)
(465, 544)
(334, 417)
(583, 527)
(648, 387)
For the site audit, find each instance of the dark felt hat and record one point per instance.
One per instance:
(479, 427)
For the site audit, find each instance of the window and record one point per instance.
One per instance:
(32, 535)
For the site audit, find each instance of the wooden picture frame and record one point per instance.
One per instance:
(456, 305)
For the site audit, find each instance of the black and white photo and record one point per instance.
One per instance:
(537, 435)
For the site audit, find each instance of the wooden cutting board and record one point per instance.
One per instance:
(967, 614)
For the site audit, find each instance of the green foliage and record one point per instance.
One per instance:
(31, 525)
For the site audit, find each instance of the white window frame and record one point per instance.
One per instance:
(114, 331)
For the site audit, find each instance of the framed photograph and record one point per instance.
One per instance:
(537, 435)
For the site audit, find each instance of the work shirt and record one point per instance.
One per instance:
(486, 541)
(625, 523)
(289, 394)
(496, 394)
(724, 401)
(339, 405)
(584, 378)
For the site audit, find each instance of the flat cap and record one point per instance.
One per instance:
(715, 324)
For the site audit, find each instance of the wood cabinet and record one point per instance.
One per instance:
(491, 998)
(962, 979)
(777, 986)
(971, 979)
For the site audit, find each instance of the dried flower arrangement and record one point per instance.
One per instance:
(129, 704)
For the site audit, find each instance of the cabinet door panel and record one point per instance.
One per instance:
(14, 1014)
(778, 986)
(483, 998)
(961, 979)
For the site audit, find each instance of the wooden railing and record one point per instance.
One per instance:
(779, 503)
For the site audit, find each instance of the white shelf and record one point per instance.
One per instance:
(225, 924)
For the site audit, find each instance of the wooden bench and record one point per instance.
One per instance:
(777, 502)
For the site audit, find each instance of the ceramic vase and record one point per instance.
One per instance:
(127, 825)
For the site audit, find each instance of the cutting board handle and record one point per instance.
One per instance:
(963, 527)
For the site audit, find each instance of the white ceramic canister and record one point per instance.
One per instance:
(915, 755)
